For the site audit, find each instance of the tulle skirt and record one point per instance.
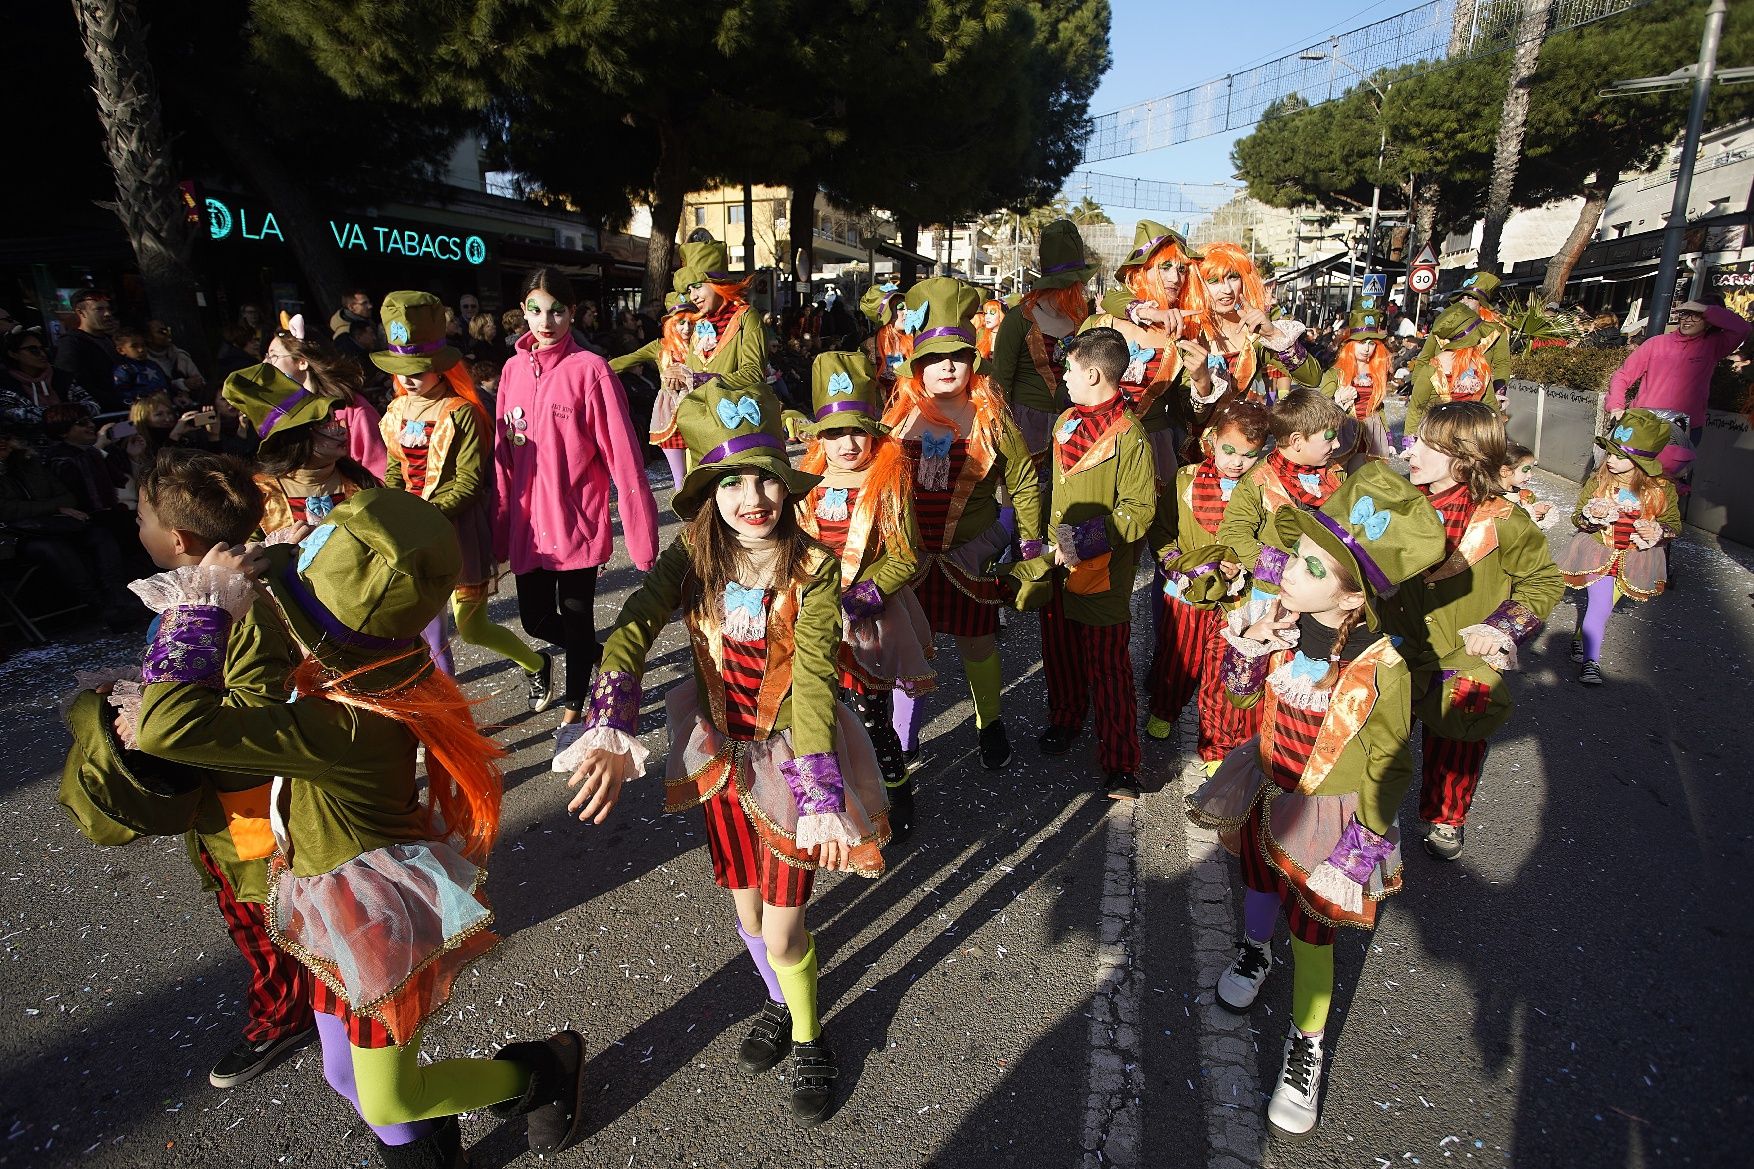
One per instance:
(1642, 572)
(891, 651)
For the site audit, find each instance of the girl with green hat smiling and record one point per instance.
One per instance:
(785, 774)
(439, 441)
(1457, 366)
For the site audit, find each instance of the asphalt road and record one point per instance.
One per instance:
(1028, 984)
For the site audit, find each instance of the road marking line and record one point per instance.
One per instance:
(1111, 1111)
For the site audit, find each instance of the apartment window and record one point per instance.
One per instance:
(779, 209)
(734, 213)
(737, 260)
(1620, 229)
(700, 217)
(854, 237)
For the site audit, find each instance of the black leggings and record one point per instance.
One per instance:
(559, 608)
(873, 708)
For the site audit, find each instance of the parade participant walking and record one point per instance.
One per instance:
(1310, 805)
(668, 352)
(1028, 356)
(986, 327)
(1478, 293)
(1626, 515)
(439, 438)
(1359, 384)
(786, 774)
(1103, 496)
(880, 306)
(1672, 371)
(1467, 626)
(302, 468)
(1459, 368)
(1259, 357)
(862, 511)
(1514, 480)
(326, 373)
(962, 444)
(565, 438)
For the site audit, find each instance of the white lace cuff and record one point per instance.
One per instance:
(1244, 616)
(609, 739)
(1066, 541)
(824, 827)
(197, 584)
(1504, 657)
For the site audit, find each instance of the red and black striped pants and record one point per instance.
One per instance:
(1258, 874)
(1223, 726)
(1450, 771)
(1178, 657)
(279, 997)
(1086, 665)
(741, 860)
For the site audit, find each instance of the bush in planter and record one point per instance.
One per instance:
(1577, 369)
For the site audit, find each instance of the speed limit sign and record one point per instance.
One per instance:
(1422, 279)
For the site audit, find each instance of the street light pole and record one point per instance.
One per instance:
(1674, 234)
(1334, 57)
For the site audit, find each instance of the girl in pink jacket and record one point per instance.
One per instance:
(565, 436)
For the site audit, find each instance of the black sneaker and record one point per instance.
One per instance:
(1590, 674)
(901, 811)
(1056, 740)
(541, 684)
(995, 747)
(813, 1073)
(248, 1060)
(768, 1040)
(1122, 785)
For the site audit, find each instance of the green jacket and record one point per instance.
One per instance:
(739, 361)
(867, 556)
(798, 689)
(1115, 484)
(1426, 395)
(1497, 352)
(980, 504)
(1501, 575)
(1020, 366)
(454, 460)
(1174, 525)
(1256, 497)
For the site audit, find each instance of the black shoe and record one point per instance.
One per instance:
(914, 760)
(1056, 740)
(440, 1148)
(541, 684)
(901, 811)
(995, 747)
(1121, 785)
(1590, 674)
(248, 1060)
(813, 1073)
(554, 1103)
(1444, 842)
(768, 1040)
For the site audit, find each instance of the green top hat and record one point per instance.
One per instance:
(362, 586)
(707, 262)
(272, 401)
(414, 333)
(728, 431)
(939, 314)
(1482, 285)
(1148, 236)
(1641, 437)
(1062, 256)
(1457, 327)
(1365, 325)
(115, 795)
(1378, 525)
(879, 305)
(843, 392)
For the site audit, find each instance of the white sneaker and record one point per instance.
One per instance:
(1241, 982)
(1292, 1112)
(565, 735)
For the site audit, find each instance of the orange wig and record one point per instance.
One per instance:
(989, 412)
(984, 338)
(461, 385)
(888, 481)
(1347, 366)
(1145, 280)
(1218, 261)
(1070, 302)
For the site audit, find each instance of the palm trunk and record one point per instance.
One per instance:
(147, 200)
(803, 219)
(910, 243)
(1531, 31)
(1595, 200)
(670, 187)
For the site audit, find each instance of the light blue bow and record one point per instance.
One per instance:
(1367, 519)
(1134, 353)
(413, 432)
(747, 599)
(891, 286)
(1067, 429)
(909, 320)
(313, 543)
(1623, 434)
(318, 506)
(1626, 496)
(1311, 483)
(1307, 669)
(894, 361)
(840, 385)
(398, 333)
(1215, 363)
(735, 413)
(705, 334)
(834, 498)
(1225, 487)
(935, 446)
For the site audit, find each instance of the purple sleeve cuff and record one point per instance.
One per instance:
(189, 646)
(1515, 620)
(615, 702)
(1090, 538)
(1359, 852)
(1029, 549)
(1295, 355)
(863, 600)
(816, 784)
(1243, 675)
(1270, 565)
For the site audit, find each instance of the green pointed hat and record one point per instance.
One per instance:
(729, 431)
(1063, 263)
(1483, 285)
(115, 795)
(844, 392)
(360, 588)
(1148, 236)
(707, 262)
(1377, 524)
(1641, 437)
(939, 315)
(272, 401)
(1366, 325)
(414, 335)
(1457, 326)
(879, 304)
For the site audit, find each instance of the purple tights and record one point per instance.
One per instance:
(904, 717)
(1260, 913)
(338, 1070)
(678, 460)
(757, 947)
(438, 641)
(1598, 604)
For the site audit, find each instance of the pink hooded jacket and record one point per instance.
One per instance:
(551, 510)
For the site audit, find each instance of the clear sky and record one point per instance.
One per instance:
(1161, 46)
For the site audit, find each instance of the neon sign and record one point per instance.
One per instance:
(377, 239)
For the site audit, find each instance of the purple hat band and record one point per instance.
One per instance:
(273, 417)
(1634, 452)
(740, 444)
(1144, 253)
(331, 625)
(416, 350)
(1372, 573)
(1477, 322)
(720, 277)
(1068, 267)
(945, 331)
(838, 407)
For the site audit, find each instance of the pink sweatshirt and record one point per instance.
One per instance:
(365, 445)
(552, 507)
(1674, 372)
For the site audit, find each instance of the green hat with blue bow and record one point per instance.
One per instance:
(1366, 324)
(880, 302)
(707, 262)
(939, 315)
(1378, 525)
(733, 432)
(1483, 286)
(844, 393)
(414, 335)
(1641, 437)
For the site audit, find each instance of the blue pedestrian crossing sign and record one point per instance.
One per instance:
(1376, 284)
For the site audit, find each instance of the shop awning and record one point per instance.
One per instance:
(897, 252)
(1309, 269)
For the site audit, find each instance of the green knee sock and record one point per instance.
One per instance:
(474, 628)
(984, 683)
(1312, 985)
(396, 1088)
(798, 984)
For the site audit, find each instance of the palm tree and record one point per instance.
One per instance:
(1531, 34)
(1086, 212)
